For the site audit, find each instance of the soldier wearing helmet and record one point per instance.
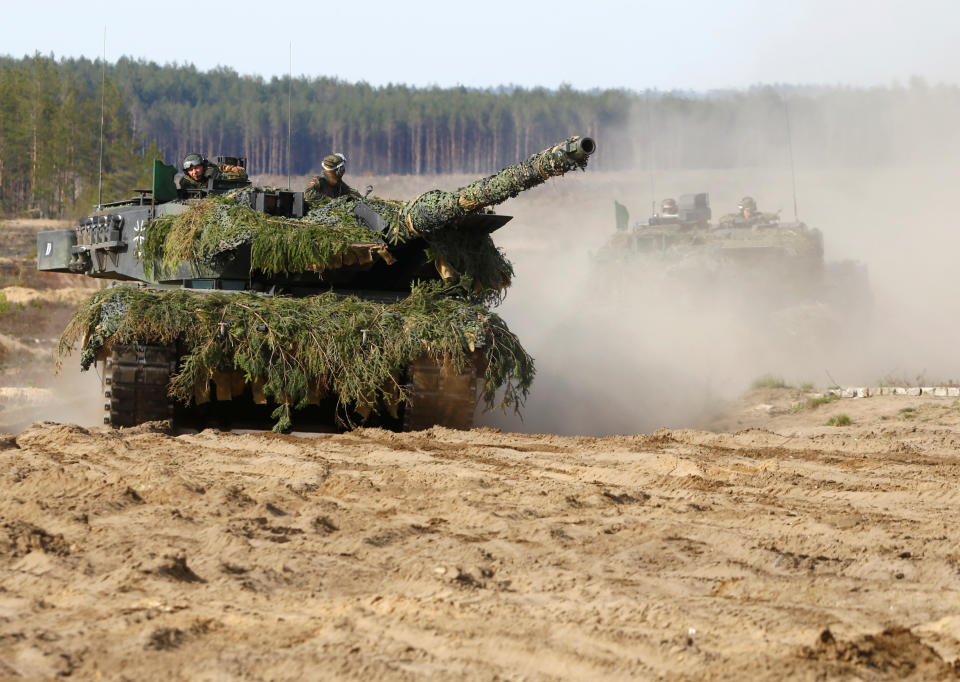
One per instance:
(329, 184)
(196, 172)
(747, 207)
(669, 208)
(695, 214)
(747, 215)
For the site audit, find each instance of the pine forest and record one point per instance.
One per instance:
(50, 126)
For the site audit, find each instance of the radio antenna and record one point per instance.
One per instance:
(651, 137)
(289, 112)
(793, 172)
(103, 90)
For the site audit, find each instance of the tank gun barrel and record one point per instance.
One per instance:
(578, 148)
(435, 209)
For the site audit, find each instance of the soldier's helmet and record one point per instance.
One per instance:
(669, 207)
(191, 160)
(336, 163)
(747, 203)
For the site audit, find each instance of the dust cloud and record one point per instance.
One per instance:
(628, 354)
(31, 387)
(637, 355)
(70, 396)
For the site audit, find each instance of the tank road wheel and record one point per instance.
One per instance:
(135, 383)
(439, 397)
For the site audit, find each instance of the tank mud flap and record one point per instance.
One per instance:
(135, 384)
(439, 396)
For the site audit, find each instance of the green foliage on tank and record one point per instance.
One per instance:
(213, 226)
(355, 348)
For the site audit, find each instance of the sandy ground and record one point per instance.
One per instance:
(763, 544)
(795, 550)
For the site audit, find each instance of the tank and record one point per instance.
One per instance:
(771, 265)
(232, 305)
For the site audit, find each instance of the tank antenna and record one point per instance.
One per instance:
(289, 111)
(651, 137)
(793, 172)
(103, 90)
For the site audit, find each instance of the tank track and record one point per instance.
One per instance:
(439, 397)
(135, 383)
(136, 379)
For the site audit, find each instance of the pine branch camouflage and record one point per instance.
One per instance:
(316, 242)
(294, 347)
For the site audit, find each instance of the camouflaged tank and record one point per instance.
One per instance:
(234, 305)
(769, 263)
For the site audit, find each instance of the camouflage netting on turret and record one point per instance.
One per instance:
(460, 254)
(216, 225)
(356, 349)
(333, 212)
(473, 259)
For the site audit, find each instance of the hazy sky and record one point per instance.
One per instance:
(670, 44)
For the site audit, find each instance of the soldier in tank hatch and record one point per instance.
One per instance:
(748, 215)
(669, 208)
(228, 173)
(196, 172)
(329, 184)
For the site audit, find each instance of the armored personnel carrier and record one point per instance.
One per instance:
(234, 305)
(769, 264)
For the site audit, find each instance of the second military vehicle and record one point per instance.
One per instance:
(748, 256)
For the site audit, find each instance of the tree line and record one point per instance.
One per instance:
(50, 151)
(50, 120)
